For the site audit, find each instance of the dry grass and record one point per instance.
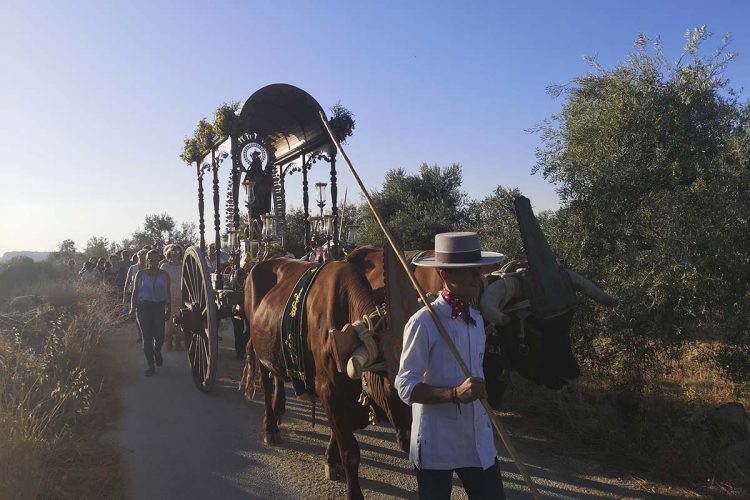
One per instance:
(660, 433)
(50, 397)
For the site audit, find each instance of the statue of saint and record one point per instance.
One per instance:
(263, 185)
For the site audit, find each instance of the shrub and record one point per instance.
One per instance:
(46, 390)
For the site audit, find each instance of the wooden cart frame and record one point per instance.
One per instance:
(277, 131)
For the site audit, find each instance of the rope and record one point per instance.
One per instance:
(365, 355)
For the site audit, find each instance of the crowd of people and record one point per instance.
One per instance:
(148, 284)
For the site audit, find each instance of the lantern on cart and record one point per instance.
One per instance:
(233, 239)
(321, 188)
(269, 227)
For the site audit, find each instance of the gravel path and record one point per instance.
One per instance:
(182, 444)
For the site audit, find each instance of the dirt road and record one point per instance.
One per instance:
(182, 444)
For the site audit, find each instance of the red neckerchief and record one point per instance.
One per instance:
(458, 307)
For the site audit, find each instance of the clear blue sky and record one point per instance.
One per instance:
(96, 97)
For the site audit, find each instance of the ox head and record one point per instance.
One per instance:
(530, 304)
(537, 347)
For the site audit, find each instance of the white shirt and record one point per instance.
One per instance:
(175, 280)
(211, 261)
(445, 435)
(130, 277)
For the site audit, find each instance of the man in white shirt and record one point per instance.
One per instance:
(451, 431)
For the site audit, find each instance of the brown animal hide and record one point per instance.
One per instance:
(370, 261)
(339, 295)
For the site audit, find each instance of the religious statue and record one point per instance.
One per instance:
(263, 185)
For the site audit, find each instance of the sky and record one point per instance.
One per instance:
(97, 97)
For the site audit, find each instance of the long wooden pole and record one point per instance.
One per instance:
(498, 426)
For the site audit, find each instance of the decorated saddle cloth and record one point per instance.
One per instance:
(294, 335)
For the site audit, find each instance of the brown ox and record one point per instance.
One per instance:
(339, 295)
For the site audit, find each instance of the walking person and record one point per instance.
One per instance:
(173, 266)
(451, 431)
(100, 267)
(151, 306)
(89, 274)
(107, 275)
(111, 271)
(122, 263)
(127, 290)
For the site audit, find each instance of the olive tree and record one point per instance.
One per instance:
(416, 206)
(650, 160)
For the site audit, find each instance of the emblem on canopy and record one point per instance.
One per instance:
(249, 151)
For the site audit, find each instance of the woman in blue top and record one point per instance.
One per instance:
(151, 304)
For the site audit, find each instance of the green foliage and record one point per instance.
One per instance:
(350, 217)
(416, 207)
(97, 246)
(191, 152)
(160, 230)
(494, 220)
(295, 232)
(226, 121)
(205, 135)
(342, 122)
(649, 159)
(295, 226)
(50, 382)
(66, 249)
(21, 273)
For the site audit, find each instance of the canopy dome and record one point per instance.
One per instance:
(287, 117)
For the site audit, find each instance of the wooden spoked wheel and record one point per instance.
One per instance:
(199, 319)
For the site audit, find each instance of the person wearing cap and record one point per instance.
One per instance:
(451, 431)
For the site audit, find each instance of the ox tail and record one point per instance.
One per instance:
(249, 373)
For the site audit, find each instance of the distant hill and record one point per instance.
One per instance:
(37, 256)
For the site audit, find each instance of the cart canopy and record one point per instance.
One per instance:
(288, 118)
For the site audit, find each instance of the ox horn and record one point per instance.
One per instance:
(590, 290)
(496, 296)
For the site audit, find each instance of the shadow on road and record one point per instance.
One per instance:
(181, 443)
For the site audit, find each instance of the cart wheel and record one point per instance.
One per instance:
(199, 319)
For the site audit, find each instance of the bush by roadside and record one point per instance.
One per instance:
(51, 392)
(673, 432)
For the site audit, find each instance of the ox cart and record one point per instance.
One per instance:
(276, 132)
(281, 130)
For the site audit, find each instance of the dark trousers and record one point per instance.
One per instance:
(150, 316)
(241, 335)
(126, 305)
(479, 484)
